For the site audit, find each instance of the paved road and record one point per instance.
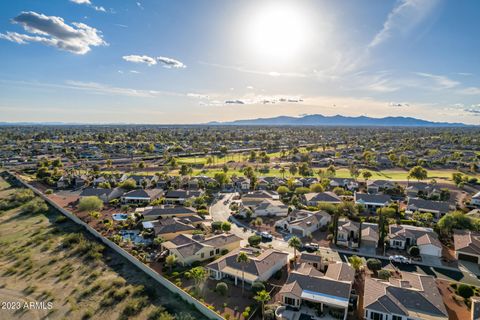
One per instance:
(221, 212)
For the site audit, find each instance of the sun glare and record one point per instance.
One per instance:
(278, 31)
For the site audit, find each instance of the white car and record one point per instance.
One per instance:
(312, 246)
(399, 259)
(266, 235)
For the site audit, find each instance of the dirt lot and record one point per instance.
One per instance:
(37, 265)
(456, 310)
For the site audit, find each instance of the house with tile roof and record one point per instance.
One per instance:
(328, 293)
(316, 198)
(169, 228)
(372, 202)
(303, 223)
(404, 236)
(436, 208)
(467, 245)
(190, 248)
(141, 196)
(261, 265)
(412, 297)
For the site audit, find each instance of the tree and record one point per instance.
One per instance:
(243, 260)
(262, 297)
(295, 243)
(254, 240)
(226, 226)
(465, 291)
(331, 171)
(282, 171)
(257, 286)
(221, 178)
(384, 274)
(198, 274)
(414, 251)
(354, 172)
(91, 203)
(171, 260)
(283, 190)
(356, 262)
(457, 177)
(418, 173)
(128, 184)
(374, 264)
(221, 288)
(366, 175)
(316, 187)
(293, 169)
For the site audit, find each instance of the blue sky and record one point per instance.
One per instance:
(103, 61)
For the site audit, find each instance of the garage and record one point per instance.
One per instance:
(466, 257)
(431, 250)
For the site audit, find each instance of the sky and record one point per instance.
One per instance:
(182, 62)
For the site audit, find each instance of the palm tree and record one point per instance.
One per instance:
(282, 171)
(356, 263)
(170, 261)
(262, 297)
(198, 274)
(243, 259)
(295, 243)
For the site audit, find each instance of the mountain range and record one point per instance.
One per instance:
(338, 120)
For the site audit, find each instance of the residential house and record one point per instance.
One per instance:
(467, 245)
(314, 199)
(422, 189)
(191, 248)
(311, 259)
(142, 181)
(161, 212)
(303, 223)
(376, 186)
(475, 308)
(348, 233)
(270, 207)
(346, 183)
(169, 228)
(436, 208)
(181, 196)
(241, 183)
(106, 195)
(141, 196)
(327, 293)
(404, 236)
(370, 235)
(476, 199)
(261, 266)
(413, 297)
(256, 197)
(372, 202)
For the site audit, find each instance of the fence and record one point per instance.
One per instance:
(150, 272)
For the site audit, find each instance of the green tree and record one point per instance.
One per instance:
(356, 262)
(366, 175)
(128, 184)
(283, 190)
(465, 291)
(170, 261)
(198, 274)
(293, 169)
(91, 203)
(226, 226)
(414, 251)
(262, 297)
(243, 260)
(418, 173)
(221, 288)
(374, 264)
(295, 243)
(316, 187)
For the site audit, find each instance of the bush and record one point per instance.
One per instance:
(60, 219)
(254, 240)
(414, 251)
(48, 191)
(35, 206)
(216, 225)
(224, 252)
(384, 274)
(222, 288)
(374, 264)
(92, 203)
(465, 291)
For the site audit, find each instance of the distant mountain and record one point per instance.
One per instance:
(338, 120)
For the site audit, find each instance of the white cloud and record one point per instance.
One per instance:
(140, 59)
(470, 91)
(98, 88)
(170, 63)
(53, 31)
(440, 82)
(398, 104)
(90, 4)
(264, 73)
(166, 62)
(405, 16)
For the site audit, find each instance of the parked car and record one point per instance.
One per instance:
(265, 235)
(399, 259)
(312, 246)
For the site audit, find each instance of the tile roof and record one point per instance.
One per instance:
(467, 241)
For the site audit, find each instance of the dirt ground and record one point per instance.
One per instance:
(456, 310)
(35, 266)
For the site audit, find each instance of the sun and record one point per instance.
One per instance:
(278, 31)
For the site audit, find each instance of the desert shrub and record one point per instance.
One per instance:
(35, 206)
(374, 264)
(60, 219)
(92, 203)
(384, 274)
